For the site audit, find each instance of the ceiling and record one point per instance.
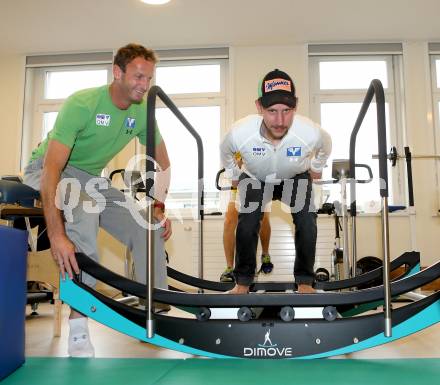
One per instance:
(44, 26)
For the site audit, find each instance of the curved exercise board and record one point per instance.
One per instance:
(409, 259)
(398, 287)
(86, 303)
(256, 338)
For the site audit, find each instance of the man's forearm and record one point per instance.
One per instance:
(52, 215)
(322, 152)
(163, 179)
(228, 159)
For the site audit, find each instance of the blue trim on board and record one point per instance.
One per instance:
(85, 302)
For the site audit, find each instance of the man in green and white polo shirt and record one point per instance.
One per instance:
(92, 127)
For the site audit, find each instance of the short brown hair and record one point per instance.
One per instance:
(131, 51)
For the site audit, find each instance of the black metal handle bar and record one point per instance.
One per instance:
(334, 181)
(375, 89)
(370, 173)
(155, 92)
(217, 184)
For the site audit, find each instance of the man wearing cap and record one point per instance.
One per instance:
(282, 152)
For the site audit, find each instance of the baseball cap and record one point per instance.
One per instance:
(277, 88)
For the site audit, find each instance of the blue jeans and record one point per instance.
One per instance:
(296, 193)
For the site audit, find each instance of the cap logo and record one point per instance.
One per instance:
(277, 85)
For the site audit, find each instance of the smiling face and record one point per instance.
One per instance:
(134, 82)
(277, 118)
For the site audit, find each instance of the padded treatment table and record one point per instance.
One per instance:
(17, 203)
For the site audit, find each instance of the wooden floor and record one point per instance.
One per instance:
(111, 344)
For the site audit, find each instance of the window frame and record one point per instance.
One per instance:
(182, 62)
(435, 94)
(36, 105)
(393, 97)
(212, 198)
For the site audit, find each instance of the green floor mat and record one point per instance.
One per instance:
(96, 371)
(108, 371)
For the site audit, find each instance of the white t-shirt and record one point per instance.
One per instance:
(306, 146)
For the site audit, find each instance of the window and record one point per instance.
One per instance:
(351, 74)
(198, 90)
(437, 72)
(189, 79)
(59, 84)
(48, 123)
(194, 79)
(50, 79)
(435, 76)
(338, 86)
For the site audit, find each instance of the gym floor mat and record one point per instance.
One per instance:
(109, 371)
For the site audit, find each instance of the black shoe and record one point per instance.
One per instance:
(266, 264)
(227, 275)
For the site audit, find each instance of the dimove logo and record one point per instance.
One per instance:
(267, 349)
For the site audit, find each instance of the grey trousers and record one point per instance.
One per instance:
(104, 206)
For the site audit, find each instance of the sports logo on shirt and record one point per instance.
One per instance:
(293, 151)
(130, 123)
(258, 151)
(103, 120)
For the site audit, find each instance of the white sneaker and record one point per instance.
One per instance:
(79, 344)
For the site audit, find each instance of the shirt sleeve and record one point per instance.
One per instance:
(228, 150)
(323, 150)
(71, 119)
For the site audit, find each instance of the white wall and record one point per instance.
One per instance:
(11, 100)
(250, 64)
(420, 135)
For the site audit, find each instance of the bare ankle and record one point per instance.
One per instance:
(305, 289)
(239, 289)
